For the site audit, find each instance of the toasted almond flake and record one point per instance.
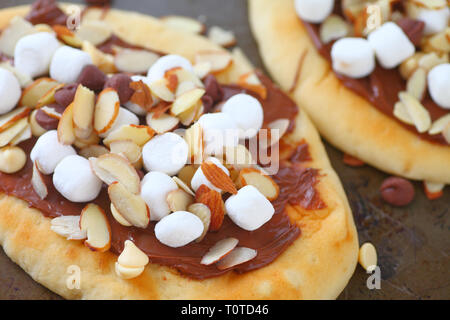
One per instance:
(66, 131)
(91, 140)
(184, 75)
(186, 174)
(24, 135)
(51, 112)
(37, 181)
(402, 114)
(419, 115)
(163, 123)
(219, 60)
(127, 273)
(83, 111)
(10, 118)
(218, 177)
(417, 84)
(67, 36)
(184, 87)
(17, 28)
(408, 66)
(213, 200)
(187, 101)
(93, 151)
(440, 41)
(367, 256)
(183, 186)
(95, 32)
(430, 60)
(439, 125)
(116, 214)
(24, 79)
(251, 82)
(142, 95)
(106, 110)
(138, 134)
(127, 148)
(184, 24)
(134, 60)
(204, 214)
(10, 133)
(112, 168)
(172, 81)
(130, 206)
(333, 28)
(262, 182)
(94, 222)
(236, 257)
(48, 97)
(194, 140)
(160, 89)
(103, 61)
(433, 190)
(221, 37)
(430, 4)
(238, 157)
(193, 114)
(179, 200)
(276, 130)
(34, 92)
(202, 69)
(68, 227)
(132, 256)
(220, 250)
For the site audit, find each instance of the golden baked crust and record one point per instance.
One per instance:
(316, 266)
(345, 119)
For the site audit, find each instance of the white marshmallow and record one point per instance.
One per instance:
(124, 117)
(314, 11)
(392, 46)
(75, 180)
(154, 190)
(166, 153)
(199, 177)
(439, 85)
(249, 208)
(67, 64)
(247, 112)
(435, 20)
(353, 57)
(48, 151)
(33, 53)
(10, 91)
(178, 229)
(219, 131)
(159, 68)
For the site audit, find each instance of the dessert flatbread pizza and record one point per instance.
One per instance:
(373, 75)
(128, 169)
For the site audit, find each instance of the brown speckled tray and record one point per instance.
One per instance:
(413, 243)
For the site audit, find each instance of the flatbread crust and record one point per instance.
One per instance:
(316, 266)
(346, 120)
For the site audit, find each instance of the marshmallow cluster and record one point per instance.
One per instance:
(166, 153)
(314, 11)
(219, 131)
(165, 63)
(199, 177)
(33, 53)
(75, 180)
(439, 85)
(154, 190)
(48, 151)
(178, 229)
(353, 57)
(10, 91)
(67, 64)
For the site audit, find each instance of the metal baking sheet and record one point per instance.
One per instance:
(413, 243)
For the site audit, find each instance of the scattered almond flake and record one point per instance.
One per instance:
(91, 140)
(106, 110)
(193, 114)
(433, 190)
(128, 149)
(204, 214)
(430, 60)
(134, 60)
(183, 185)
(186, 174)
(419, 115)
(68, 227)
(262, 182)
(238, 157)
(24, 135)
(241, 60)
(179, 200)
(138, 134)
(219, 60)
(236, 257)
(11, 132)
(430, 4)
(116, 214)
(194, 140)
(51, 112)
(127, 273)
(218, 251)
(67, 36)
(163, 123)
(160, 89)
(213, 200)
(367, 256)
(66, 132)
(95, 32)
(417, 84)
(333, 28)
(184, 75)
(408, 66)
(37, 181)
(48, 97)
(34, 92)
(202, 69)
(221, 37)
(439, 125)
(94, 222)
(142, 95)
(402, 114)
(10, 118)
(352, 8)
(218, 177)
(104, 61)
(24, 79)
(93, 151)
(184, 24)
(440, 41)
(251, 82)
(83, 112)
(17, 28)
(184, 87)
(187, 101)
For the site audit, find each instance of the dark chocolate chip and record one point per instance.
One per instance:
(92, 77)
(47, 122)
(66, 94)
(48, 12)
(121, 83)
(413, 29)
(213, 88)
(397, 191)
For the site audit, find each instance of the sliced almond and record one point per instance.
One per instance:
(408, 66)
(431, 60)
(67, 36)
(187, 173)
(218, 177)
(367, 255)
(333, 28)
(187, 101)
(439, 125)
(121, 220)
(34, 92)
(24, 79)
(130, 206)
(184, 24)
(10, 133)
(93, 220)
(66, 131)
(236, 257)
(127, 148)
(440, 41)
(433, 190)
(189, 116)
(7, 120)
(93, 151)
(262, 182)
(194, 140)
(38, 183)
(184, 75)
(184, 87)
(82, 143)
(241, 60)
(218, 251)
(83, 111)
(179, 200)
(112, 168)
(221, 37)
(417, 84)
(402, 114)
(134, 60)
(163, 123)
(36, 128)
(202, 69)
(219, 60)
(49, 97)
(430, 4)
(204, 214)
(106, 110)
(68, 227)
(213, 200)
(238, 157)
(273, 134)
(95, 32)
(419, 115)
(352, 8)
(142, 95)
(132, 256)
(51, 112)
(17, 28)
(127, 273)
(161, 90)
(251, 82)
(24, 135)
(103, 61)
(138, 134)
(446, 133)
(183, 186)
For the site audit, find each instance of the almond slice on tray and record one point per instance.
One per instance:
(94, 222)
(187, 101)
(68, 227)
(93, 151)
(127, 148)
(37, 181)
(204, 214)
(419, 115)
(218, 251)
(112, 167)
(236, 257)
(7, 120)
(179, 200)
(24, 135)
(183, 185)
(221, 37)
(8, 135)
(119, 218)
(184, 24)
(95, 32)
(66, 131)
(106, 110)
(130, 206)
(49, 97)
(160, 89)
(35, 91)
(417, 84)
(83, 111)
(134, 60)
(67, 36)
(218, 177)
(138, 134)
(262, 182)
(439, 125)
(333, 28)
(163, 123)
(213, 200)
(219, 60)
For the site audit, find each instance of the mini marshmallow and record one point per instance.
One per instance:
(48, 151)
(314, 11)
(10, 91)
(392, 46)
(219, 131)
(199, 178)
(247, 112)
(435, 20)
(249, 208)
(33, 53)
(154, 190)
(353, 57)
(124, 117)
(179, 229)
(75, 180)
(439, 85)
(67, 64)
(159, 68)
(166, 153)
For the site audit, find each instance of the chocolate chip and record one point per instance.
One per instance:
(208, 103)
(47, 122)
(48, 12)
(92, 78)
(413, 29)
(121, 83)
(397, 191)
(213, 88)
(66, 94)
